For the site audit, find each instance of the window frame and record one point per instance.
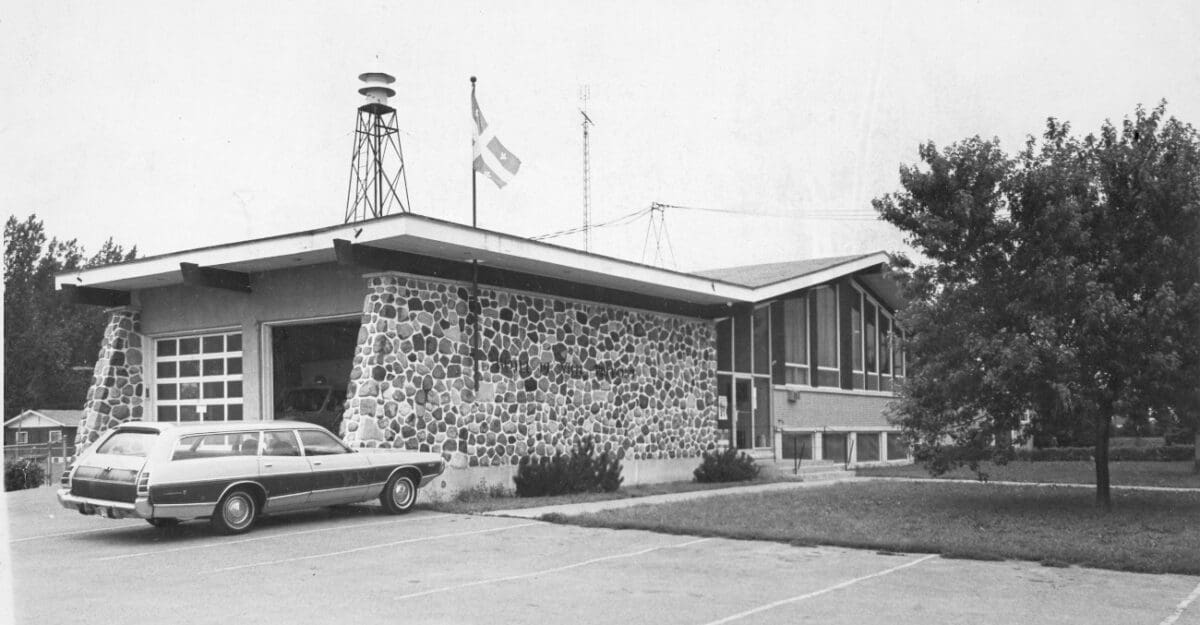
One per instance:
(22, 437)
(837, 334)
(788, 325)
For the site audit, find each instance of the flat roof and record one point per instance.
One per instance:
(417, 234)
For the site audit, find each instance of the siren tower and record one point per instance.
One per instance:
(378, 180)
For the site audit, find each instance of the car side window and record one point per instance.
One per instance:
(214, 446)
(317, 443)
(280, 443)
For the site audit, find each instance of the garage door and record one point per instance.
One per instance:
(198, 378)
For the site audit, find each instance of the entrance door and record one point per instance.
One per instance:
(743, 401)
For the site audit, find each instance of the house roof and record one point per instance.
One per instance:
(46, 418)
(755, 276)
(426, 236)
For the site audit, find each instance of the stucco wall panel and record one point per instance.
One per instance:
(815, 409)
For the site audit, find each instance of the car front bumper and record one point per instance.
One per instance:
(140, 508)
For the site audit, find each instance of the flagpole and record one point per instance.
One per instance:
(475, 309)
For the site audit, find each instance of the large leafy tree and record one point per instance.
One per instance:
(49, 346)
(1060, 287)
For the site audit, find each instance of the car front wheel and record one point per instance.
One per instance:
(399, 495)
(236, 512)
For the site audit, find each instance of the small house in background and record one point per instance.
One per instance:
(34, 427)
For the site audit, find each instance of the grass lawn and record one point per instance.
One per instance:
(1177, 474)
(1153, 532)
(479, 501)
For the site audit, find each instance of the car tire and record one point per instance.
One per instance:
(163, 523)
(399, 495)
(236, 512)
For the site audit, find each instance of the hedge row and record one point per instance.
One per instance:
(1173, 453)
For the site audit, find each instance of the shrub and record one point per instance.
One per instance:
(730, 465)
(1173, 453)
(22, 474)
(581, 471)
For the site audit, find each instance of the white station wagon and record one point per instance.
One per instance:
(232, 473)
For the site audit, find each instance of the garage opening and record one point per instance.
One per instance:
(310, 369)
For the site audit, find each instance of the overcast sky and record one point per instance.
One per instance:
(172, 126)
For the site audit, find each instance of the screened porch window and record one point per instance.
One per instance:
(828, 373)
(795, 335)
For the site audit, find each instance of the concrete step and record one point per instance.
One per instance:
(809, 471)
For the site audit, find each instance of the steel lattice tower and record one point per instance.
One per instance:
(372, 191)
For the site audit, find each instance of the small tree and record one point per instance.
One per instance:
(1064, 282)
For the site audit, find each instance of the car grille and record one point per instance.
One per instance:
(106, 484)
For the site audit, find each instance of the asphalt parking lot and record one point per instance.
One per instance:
(359, 565)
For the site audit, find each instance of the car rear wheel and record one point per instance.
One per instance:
(163, 523)
(236, 512)
(399, 495)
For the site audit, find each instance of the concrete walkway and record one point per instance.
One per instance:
(573, 509)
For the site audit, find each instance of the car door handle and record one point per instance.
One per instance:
(268, 465)
(316, 463)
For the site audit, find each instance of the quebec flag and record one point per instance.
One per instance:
(492, 159)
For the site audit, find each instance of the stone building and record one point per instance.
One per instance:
(407, 331)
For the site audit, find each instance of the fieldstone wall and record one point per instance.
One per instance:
(118, 391)
(551, 371)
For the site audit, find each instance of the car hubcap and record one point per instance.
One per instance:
(401, 492)
(237, 510)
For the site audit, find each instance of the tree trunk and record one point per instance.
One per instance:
(1196, 453)
(1103, 429)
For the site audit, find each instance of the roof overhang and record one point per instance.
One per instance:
(417, 235)
(433, 238)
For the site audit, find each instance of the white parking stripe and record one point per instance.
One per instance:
(269, 537)
(1183, 605)
(496, 580)
(771, 606)
(368, 547)
(99, 529)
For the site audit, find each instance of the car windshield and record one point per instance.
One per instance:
(305, 399)
(127, 444)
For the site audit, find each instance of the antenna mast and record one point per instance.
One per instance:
(585, 92)
(372, 192)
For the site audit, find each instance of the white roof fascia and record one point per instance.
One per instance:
(825, 275)
(167, 265)
(381, 233)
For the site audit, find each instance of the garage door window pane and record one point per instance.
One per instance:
(189, 346)
(215, 413)
(166, 369)
(214, 344)
(166, 347)
(188, 413)
(233, 366)
(189, 368)
(214, 390)
(168, 391)
(214, 366)
(234, 412)
(234, 389)
(168, 413)
(190, 390)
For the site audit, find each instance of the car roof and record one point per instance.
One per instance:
(216, 426)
